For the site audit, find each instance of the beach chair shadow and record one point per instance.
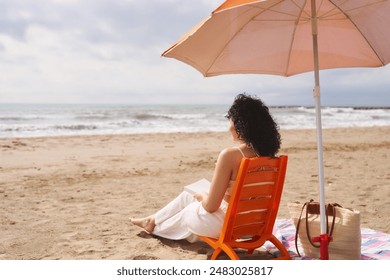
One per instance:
(202, 248)
(253, 208)
(198, 246)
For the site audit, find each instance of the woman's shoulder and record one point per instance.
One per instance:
(230, 158)
(230, 152)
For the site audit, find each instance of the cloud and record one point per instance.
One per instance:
(78, 50)
(109, 51)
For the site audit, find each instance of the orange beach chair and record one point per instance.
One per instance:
(253, 208)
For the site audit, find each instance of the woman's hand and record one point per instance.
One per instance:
(200, 196)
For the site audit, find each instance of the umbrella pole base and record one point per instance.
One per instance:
(324, 240)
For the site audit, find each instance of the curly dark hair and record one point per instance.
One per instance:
(255, 125)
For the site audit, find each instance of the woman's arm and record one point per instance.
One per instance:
(226, 162)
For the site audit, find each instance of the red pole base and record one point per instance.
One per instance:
(324, 240)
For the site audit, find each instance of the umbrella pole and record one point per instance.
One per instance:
(324, 239)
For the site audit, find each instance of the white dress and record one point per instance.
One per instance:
(184, 218)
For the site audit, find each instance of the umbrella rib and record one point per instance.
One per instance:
(293, 35)
(288, 14)
(329, 13)
(358, 29)
(337, 10)
(227, 43)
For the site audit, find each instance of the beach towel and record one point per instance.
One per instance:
(375, 244)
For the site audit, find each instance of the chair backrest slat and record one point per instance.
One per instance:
(264, 189)
(251, 217)
(255, 204)
(248, 230)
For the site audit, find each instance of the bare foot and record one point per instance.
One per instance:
(147, 223)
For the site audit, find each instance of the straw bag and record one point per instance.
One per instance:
(342, 224)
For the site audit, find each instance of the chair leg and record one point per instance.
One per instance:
(230, 252)
(215, 254)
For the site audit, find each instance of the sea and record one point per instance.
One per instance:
(40, 120)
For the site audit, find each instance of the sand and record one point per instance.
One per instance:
(71, 197)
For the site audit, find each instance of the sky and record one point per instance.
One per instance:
(109, 51)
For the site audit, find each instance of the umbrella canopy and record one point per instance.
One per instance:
(275, 37)
(288, 37)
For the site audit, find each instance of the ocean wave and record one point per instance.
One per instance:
(177, 116)
(74, 127)
(94, 117)
(149, 116)
(19, 118)
(49, 120)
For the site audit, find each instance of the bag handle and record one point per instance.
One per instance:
(330, 210)
(307, 224)
(298, 225)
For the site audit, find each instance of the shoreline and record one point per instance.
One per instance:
(70, 197)
(181, 132)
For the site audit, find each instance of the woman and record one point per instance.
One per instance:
(252, 126)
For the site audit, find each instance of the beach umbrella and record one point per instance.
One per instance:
(288, 37)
